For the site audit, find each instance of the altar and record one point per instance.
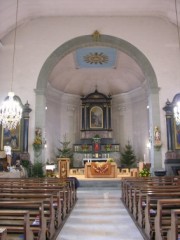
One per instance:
(89, 160)
(101, 170)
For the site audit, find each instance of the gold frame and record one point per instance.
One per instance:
(11, 138)
(176, 133)
(96, 117)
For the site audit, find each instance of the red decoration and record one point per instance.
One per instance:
(96, 147)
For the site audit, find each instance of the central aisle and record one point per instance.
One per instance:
(99, 214)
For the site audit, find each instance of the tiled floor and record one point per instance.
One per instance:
(99, 215)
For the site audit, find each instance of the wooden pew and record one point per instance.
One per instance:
(65, 193)
(68, 184)
(66, 188)
(129, 187)
(49, 212)
(137, 195)
(61, 193)
(151, 209)
(141, 203)
(15, 222)
(3, 233)
(60, 209)
(163, 216)
(135, 192)
(36, 210)
(174, 231)
(64, 198)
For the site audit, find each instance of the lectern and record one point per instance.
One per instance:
(63, 167)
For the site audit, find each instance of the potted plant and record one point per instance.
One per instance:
(160, 173)
(128, 157)
(145, 172)
(37, 170)
(27, 165)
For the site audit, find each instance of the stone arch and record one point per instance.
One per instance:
(108, 41)
(104, 40)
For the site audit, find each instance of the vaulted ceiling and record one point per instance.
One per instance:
(83, 77)
(108, 70)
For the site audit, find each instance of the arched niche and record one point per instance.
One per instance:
(107, 41)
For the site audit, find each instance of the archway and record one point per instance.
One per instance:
(108, 41)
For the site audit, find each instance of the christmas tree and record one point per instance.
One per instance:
(65, 151)
(128, 157)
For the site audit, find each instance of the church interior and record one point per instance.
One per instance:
(97, 107)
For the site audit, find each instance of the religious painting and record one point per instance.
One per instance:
(177, 135)
(11, 138)
(96, 117)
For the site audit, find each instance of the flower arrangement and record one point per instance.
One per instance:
(85, 148)
(145, 172)
(108, 147)
(110, 160)
(37, 144)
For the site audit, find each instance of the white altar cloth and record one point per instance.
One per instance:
(89, 160)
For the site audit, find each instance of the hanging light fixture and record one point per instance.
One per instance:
(11, 110)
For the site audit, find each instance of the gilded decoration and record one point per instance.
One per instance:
(96, 35)
(100, 168)
(37, 144)
(96, 58)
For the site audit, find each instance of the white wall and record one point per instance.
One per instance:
(62, 120)
(130, 121)
(36, 40)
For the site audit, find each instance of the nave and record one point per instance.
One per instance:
(99, 214)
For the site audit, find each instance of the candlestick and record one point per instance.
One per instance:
(144, 157)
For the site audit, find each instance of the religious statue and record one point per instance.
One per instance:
(157, 135)
(157, 138)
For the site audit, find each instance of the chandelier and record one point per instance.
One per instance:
(11, 110)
